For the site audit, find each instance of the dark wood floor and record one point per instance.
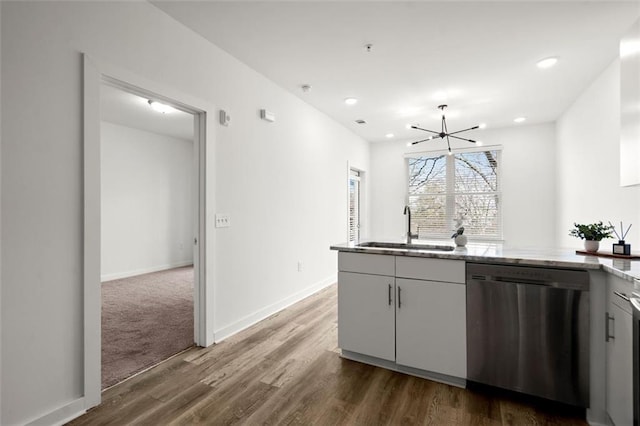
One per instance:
(287, 370)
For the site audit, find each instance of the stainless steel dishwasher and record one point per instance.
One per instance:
(528, 330)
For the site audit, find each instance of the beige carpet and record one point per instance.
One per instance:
(145, 320)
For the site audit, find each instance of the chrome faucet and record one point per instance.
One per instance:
(410, 236)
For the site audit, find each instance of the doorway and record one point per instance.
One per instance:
(149, 205)
(95, 74)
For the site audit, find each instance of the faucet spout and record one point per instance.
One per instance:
(407, 212)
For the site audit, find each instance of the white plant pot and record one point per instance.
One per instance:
(591, 246)
(461, 240)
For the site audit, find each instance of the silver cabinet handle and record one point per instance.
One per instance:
(389, 294)
(399, 297)
(621, 295)
(608, 336)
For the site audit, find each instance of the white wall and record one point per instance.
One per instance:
(147, 193)
(284, 184)
(0, 210)
(588, 163)
(528, 189)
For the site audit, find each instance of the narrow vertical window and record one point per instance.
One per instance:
(354, 205)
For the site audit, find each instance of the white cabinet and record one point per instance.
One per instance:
(366, 304)
(366, 316)
(404, 309)
(444, 270)
(619, 352)
(431, 326)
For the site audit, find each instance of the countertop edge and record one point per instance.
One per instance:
(581, 261)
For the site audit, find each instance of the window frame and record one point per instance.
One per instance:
(450, 193)
(355, 175)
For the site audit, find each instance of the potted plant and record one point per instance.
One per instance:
(592, 234)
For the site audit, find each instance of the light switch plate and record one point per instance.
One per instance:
(223, 220)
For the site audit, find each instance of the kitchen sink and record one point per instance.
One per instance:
(404, 246)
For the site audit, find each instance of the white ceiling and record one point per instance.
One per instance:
(478, 57)
(127, 109)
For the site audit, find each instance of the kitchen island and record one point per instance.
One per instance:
(420, 327)
(499, 253)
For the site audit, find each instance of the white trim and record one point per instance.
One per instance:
(267, 311)
(95, 74)
(157, 268)
(61, 415)
(203, 311)
(91, 234)
(349, 168)
(413, 154)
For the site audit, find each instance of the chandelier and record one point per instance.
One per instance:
(444, 132)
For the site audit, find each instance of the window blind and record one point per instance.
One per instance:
(448, 191)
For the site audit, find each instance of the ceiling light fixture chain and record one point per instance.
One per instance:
(444, 132)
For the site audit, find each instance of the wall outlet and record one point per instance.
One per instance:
(299, 266)
(223, 220)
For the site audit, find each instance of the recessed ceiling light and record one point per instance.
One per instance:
(547, 62)
(160, 107)
(629, 47)
(350, 101)
(361, 121)
(482, 125)
(389, 135)
(519, 119)
(306, 88)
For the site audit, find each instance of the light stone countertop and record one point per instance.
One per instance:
(499, 253)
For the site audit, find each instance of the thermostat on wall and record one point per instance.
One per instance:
(267, 116)
(224, 118)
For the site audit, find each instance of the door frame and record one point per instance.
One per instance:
(362, 202)
(354, 176)
(94, 75)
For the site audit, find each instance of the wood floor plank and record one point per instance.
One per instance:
(286, 370)
(294, 401)
(382, 401)
(169, 410)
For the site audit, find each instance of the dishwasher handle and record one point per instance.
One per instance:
(534, 282)
(622, 296)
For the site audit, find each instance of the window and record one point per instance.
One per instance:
(354, 205)
(448, 191)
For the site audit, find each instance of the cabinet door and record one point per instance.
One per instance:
(619, 367)
(431, 326)
(366, 315)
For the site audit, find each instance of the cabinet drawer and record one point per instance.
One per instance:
(430, 269)
(623, 288)
(375, 264)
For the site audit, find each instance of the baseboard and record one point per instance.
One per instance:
(391, 365)
(120, 275)
(598, 419)
(61, 415)
(267, 311)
